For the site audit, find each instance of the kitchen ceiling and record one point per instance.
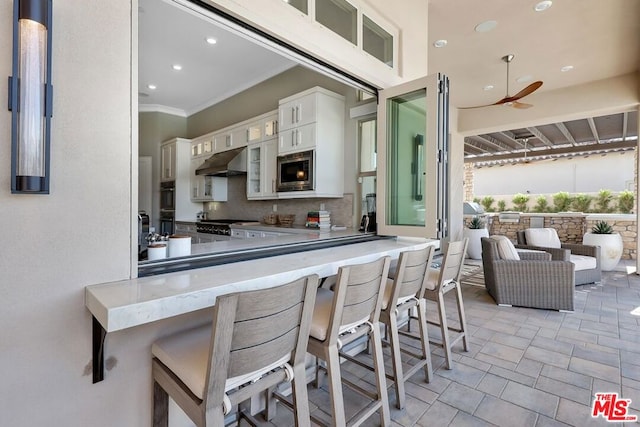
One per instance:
(598, 39)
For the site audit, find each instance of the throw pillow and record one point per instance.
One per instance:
(544, 237)
(506, 250)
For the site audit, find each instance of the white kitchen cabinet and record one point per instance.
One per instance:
(261, 170)
(316, 105)
(178, 160)
(313, 120)
(299, 110)
(206, 188)
(230, 138)
(262, 128)
(168, 161)
(302, 138)
(202, 147)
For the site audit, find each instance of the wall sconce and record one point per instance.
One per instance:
(30, 96)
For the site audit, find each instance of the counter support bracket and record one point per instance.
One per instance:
(99, 335)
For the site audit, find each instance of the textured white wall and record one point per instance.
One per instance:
(614, 172)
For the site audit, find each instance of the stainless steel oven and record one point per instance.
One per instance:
(295, 171)
(167, 196)
(167, 222)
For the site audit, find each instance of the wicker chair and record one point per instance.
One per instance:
(570, 252)
(534, 281)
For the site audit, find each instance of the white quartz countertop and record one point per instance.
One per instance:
(128, 303)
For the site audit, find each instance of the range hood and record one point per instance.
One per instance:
(227, 163)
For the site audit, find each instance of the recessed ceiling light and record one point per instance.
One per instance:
(485, 26)
(523, 79)
(152, 87)
(542, 6)
(440, 43)
(211, 40)
(488, 87)
(177, 67)
(566, 68)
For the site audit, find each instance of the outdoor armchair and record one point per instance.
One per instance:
(528, 279)
(585, 257)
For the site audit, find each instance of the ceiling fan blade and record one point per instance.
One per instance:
(527, 90)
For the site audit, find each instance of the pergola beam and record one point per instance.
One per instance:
(499, 145)
(512, 137)
(592, 148)
(594, 130)
(535, 132)
(566, 133)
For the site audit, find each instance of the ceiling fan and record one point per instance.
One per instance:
(512, 101)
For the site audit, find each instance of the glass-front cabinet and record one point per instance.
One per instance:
(413, 167)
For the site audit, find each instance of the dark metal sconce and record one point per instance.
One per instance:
(30, 96)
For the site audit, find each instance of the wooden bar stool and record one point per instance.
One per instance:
(341, 317)
(257, 340)
(439, 282)
(403, 293)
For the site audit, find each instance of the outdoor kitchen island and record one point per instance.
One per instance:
(128, 303)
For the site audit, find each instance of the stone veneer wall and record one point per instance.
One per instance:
(468, 182)
(571, 227)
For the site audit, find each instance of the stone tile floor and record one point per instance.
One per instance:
(525, 367)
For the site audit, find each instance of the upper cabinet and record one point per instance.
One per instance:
(205, 188)
(168, 162)
(262, 157)
(315, 116)
(313, 121)
(230, 138)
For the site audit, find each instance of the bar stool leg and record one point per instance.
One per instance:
(381, 382)
(299, 386)
(444, 329)
(335, 387)
(461, 316)
(424, 338)
(396, 359)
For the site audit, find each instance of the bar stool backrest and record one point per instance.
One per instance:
(452, 261)
(254, 329)
(411, 274)
(358, 295)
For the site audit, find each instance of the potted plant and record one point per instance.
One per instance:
(610, 243)
(474, 231)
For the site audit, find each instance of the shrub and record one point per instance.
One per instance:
(602, 227)
(602, 201)
(541, 205)
(561, 201)
(625, 201)
(476, 200)
(581, 202)
(502, 206)
(520, 202)
(486, 203)
(476, 223)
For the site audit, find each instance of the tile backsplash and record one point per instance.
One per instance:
(238, 207)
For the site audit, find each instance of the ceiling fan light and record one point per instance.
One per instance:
(543, 5)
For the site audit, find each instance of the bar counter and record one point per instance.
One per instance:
(128, 303)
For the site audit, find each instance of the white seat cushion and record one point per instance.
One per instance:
(544, 237)
(186, 354)
(506, 250)
(583, 262)
(432, 279)
(387, 295)
(322, 314)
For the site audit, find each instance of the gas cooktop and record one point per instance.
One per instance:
(219, 226)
